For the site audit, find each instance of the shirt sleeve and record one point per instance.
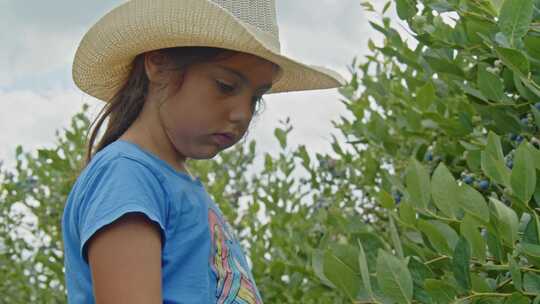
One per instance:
(122, 186)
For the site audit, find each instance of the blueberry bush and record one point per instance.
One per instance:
(446, 115)
(432, 198)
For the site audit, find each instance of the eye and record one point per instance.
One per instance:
(225, 88)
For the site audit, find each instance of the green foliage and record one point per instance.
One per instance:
(31, 256)
(452, 116)
(283, 249)
(433, 198)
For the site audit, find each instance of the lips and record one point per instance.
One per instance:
(223, 139)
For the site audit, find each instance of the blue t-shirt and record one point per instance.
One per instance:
(202, 261)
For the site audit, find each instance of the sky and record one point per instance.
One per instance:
(39, 96)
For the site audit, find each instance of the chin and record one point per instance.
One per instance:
(205, 155)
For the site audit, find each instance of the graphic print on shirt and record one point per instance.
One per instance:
(233, 281)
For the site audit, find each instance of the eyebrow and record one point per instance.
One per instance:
(244, 79)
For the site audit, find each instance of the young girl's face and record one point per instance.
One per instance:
(210, 98)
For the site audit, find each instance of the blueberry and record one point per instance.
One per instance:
(513, 136)
(468, 179)
(429, 156)
(484, 184)
(519, 138)
(537, 105)
(524, 121)
(509, 163)
(397, 197)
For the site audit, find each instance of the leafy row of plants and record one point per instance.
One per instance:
(451, 122)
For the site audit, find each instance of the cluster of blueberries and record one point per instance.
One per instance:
(483, 184)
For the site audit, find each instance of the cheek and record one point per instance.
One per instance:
(185, 120)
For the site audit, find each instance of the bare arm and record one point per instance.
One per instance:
(125, 260)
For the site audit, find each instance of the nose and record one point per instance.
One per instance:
(241, 110)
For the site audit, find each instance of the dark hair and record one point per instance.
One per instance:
(128, 102)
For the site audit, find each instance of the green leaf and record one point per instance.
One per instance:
(443, 65)
(473, 202)
(507, 221)
(495, 245)
(514, 19)
(471, 91)
(440, 291)
(491, 85)
(341, 275)
(494, 146)
(425, 96)
(386, 6)
(460, 265)
(281, 135)
(447, 231)
(515, 272)
(531, 282)
(536, 115)
(495, 168)
(515, 60)
(479, 283)
(406, 9)
(469, 230)
(364, 270)
(386, 200)
(536, 156)
(532, 44)
(395, 237)
(532, 252)
(531, 234)
(18, 151)
(418, 185)
(407, 214)
(523, 176)
(318, 267)
(435, 236)
(474, 160)
(419, 271)
(444, 190)
(394, 278)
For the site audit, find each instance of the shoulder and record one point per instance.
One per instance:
(118, 160)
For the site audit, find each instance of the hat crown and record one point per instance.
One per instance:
(260, 14)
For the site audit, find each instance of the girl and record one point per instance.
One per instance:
(181, 80)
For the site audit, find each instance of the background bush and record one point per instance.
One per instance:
(433, 198)
(449, 120)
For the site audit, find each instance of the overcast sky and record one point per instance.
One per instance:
(39, 39)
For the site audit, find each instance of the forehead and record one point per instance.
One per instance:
(250, 66)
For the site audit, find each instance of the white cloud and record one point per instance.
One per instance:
(32, 119)
(39, 37)
(34, 52)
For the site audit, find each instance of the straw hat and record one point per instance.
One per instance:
(104, 57)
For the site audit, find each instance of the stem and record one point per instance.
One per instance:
(482, 294)
(504, 283)
(440, 217)
(436, 259)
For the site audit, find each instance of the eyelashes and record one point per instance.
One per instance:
(228, 89)
(225, 88)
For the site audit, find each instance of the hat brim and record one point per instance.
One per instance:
(105, 55)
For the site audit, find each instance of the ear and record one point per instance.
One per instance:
(155, 64)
